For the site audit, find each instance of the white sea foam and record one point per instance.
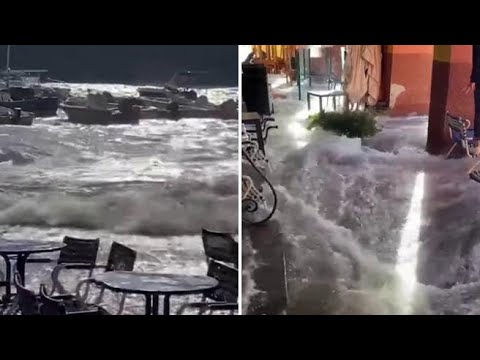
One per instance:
(375, 226)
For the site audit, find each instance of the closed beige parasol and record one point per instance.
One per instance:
(363, 72)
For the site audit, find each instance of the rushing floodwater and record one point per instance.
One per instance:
(152, 186)
(378, 227)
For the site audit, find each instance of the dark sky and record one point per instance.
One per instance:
(130, 64)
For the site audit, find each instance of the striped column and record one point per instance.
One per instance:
(450, 75)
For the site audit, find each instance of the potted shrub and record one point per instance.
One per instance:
(352, 124)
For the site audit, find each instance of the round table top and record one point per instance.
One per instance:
(160, 284)
(15, 247)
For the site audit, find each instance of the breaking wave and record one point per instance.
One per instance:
(160, 210)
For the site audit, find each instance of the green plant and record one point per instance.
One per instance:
(352, 124)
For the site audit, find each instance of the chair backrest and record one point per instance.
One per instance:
(220, 246)
(227, 278)
(121, 258)
(457, 125)
(49, 306)
(79, 251)
(27, 300)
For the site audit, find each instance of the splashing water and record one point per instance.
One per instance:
(374, 226)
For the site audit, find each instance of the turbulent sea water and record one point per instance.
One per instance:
(152, 186)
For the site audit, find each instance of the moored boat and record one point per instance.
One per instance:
(97, 111)
(30, 100)
(17, 91)
(15, 117)
(153, 92)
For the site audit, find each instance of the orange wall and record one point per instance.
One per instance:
(458, 102)
(410, 78)
(411, 49)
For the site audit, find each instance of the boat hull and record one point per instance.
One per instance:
(152, 93)
(26, 119)
(40, 107)
(88, 116)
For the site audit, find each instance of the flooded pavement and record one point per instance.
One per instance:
(368, 227)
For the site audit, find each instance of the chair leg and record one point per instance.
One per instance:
(181, 309)
(100, 296)
(466, 147)
(13, 308)
(473, 167)
(122, 304)
(87, 286)
(185, 306)
(54, 277)
(451, 150)
(202, 310)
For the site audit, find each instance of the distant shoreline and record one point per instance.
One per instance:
(209, 87)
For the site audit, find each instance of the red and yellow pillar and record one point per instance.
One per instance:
(450, 75)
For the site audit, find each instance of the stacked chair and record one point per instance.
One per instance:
(78, 254)
(221, 251)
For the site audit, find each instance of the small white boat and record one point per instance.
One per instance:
(97, 110)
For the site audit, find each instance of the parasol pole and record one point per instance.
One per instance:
(8, 65)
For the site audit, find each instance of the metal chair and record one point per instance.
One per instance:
(220, 246)
(26, 301)
(459, 134)
(78, 254)
(120, 258)
(224, 297)
(65, 306)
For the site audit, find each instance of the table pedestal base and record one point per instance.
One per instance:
(20, 267)
(151, 304)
